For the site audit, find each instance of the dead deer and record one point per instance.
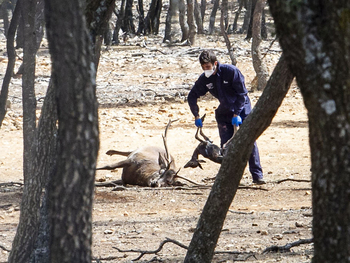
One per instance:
(206, 148)
(147, 166)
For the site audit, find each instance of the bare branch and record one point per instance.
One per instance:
(287, 247)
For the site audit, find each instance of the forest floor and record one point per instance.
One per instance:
(141, 84)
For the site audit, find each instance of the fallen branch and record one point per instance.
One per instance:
(293, 180)
(168, 240)
(11, 184)
(287, 247)
(145, 252)
(4, 248)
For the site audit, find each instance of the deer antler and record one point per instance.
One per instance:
(199, 129)
(167, 157)
(235, 129)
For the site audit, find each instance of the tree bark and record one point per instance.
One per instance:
(198, 18)
(201, 248)
(234, 26)
(70, 191)
(141, 12)
(190, 21)
(98, 14)
(11, 53)
(118, 25)
(213, 16)
(258, 64)
(320, 61)
(169, 15)
(27, 229)
(183, 24)
(153, 16)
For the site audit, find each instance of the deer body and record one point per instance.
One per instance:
(206, 148)
(145, 166)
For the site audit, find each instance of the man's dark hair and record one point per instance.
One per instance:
(207, 56)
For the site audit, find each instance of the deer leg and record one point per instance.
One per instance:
(113, 152)
(120, 164)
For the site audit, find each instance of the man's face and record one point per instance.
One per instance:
(208, 66)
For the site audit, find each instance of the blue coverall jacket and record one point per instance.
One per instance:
(228, 86)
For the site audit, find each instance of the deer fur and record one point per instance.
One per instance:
(147, 166)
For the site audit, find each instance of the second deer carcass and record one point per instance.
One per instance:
(147, 166)
(206, 148)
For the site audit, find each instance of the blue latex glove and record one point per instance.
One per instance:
(198, 123)
(237, 121)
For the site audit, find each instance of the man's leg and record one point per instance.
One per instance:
(255, 166)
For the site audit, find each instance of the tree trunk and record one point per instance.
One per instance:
(98, 14)
(183, 24)
(190, 22)
(141, 17)
(247, 17)
(198, 18)
(27, 229)
(234, 26)
(70, 191)
(11, 53)
(213, 16)
(168, 20)
(201, 248)
(315, 38)
(250, 26)
(203, 7)
(118, 25)
(258, 64)
(45, 165)
(153, 16)
(224, 34)
(128, 24)
(5, 16)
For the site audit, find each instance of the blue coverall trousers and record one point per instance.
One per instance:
(224, 121)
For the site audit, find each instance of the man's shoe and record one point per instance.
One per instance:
(259, 181)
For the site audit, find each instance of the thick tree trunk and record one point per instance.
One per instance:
(11, 53)
(213, 16)
(258, 64)
(320, 61)
(70, 190)
(27, 229)
(250, 26)
(201, 248)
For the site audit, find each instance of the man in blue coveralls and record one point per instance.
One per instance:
(226, 83)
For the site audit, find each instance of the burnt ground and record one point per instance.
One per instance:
(141, 85)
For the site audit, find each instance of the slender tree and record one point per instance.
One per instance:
(11, 53)
(258, 63)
